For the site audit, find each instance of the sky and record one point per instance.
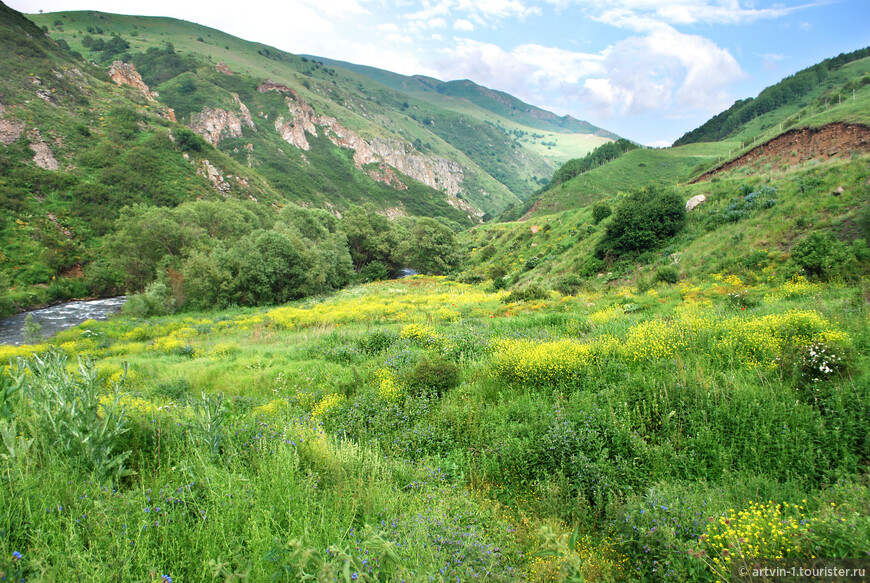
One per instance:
(648, 70)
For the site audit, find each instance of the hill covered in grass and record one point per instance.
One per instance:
(813, 88)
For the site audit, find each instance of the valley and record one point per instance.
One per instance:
(586, 380)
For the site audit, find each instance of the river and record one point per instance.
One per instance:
(60, 317)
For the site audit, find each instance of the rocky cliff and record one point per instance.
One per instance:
(215, 124)
(389, 155)
(126, 74)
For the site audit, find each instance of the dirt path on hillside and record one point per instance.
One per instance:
(800, 145)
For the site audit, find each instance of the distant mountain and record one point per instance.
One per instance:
(498, 102)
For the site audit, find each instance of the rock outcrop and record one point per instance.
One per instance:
(126, 74)
(214, 176)
(389, 155)
(223, 68)
(216, 124)
(10, 129)
(42, 154)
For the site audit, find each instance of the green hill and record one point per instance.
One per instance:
(813, 88)
(553, 137)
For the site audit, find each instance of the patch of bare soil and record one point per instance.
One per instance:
(800, 145)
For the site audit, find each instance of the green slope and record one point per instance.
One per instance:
(498, 102)
(632, 170)
(554, 137)
(812, 88)
(726, 234)
(360, 104)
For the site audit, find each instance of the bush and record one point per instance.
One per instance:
(498, 284)
(591, 266)
(668, 274)
(532, 262)
(434, 376)
(374, 271)
(496, 272)
(600, 211)
(643, 221)
(154, 301)
(818, 255)
(569, 284)
(529, 293)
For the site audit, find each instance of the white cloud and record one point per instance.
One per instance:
(640, 15)
(464, 25)
(664, 70)
(499, 9)
(487, 64)
(558, 66)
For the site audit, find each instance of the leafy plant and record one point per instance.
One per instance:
(74, 418)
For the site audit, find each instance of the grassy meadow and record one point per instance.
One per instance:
(425, 429)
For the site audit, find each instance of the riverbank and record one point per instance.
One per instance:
(58, 317)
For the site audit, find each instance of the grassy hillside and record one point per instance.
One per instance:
(811, 89)
(505, 106)
(633, 169)
(726, 234)
(356, 101)
(844, 96)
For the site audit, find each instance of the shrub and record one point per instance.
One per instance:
(154, 301)
(496, 272)
(600, 211)
(498, 284)
(818, 255)
(569, 284)
(529, 293)
(643, 221)
(532, 262)
(591, 266)
(435, 375)
(487, 253)
(668, 274)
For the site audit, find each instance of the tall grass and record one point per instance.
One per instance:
(424, 428)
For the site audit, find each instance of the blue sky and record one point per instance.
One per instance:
(648, 70)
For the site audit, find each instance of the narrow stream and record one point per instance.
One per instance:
(59, 317)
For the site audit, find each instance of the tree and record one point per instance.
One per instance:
(431, 248)
(370, 237)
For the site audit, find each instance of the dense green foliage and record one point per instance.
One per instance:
(792, 89)
(643, 221)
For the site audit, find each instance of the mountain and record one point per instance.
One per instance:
(99, 112)
(497, 102)
(553, 137)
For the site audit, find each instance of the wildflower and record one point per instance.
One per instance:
(166, 579)
(16, 555)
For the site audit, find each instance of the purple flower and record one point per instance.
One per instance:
(16, 555)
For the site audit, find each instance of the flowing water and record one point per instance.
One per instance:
(59, 317)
